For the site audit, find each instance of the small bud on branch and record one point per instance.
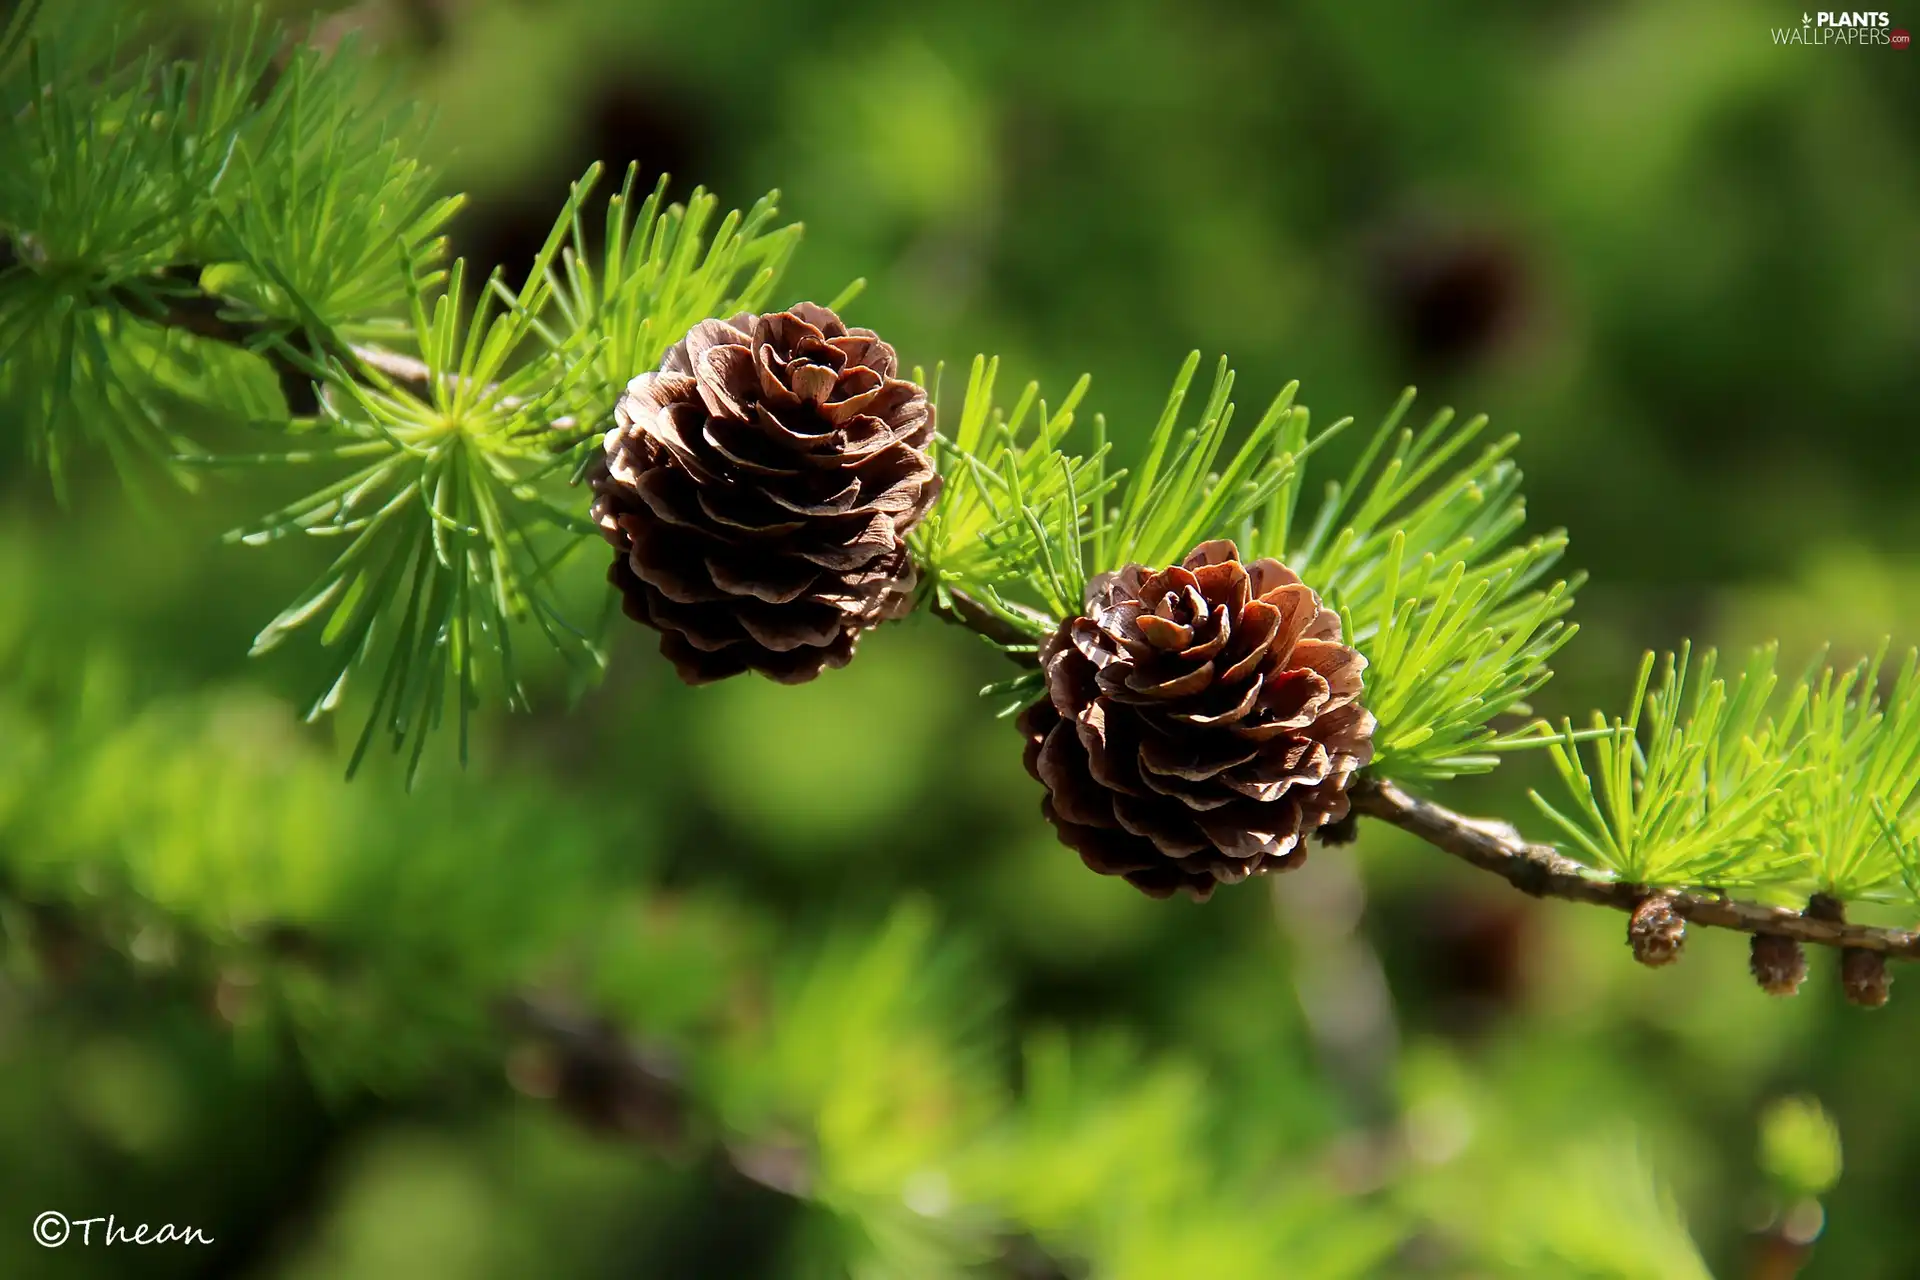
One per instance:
(1656, 932)
(1779, 964)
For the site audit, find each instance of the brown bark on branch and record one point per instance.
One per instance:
(1545, 873)
(185, 306)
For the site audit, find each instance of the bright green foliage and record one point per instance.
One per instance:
(659, 270)
(1732, 784)
(1454, 616)
(1696, 798)
(1584, 1200)
(115, 162)
(881, 1050)
(1596, 1183)
(131, 185)
(216, 846)
(461, 513)
(1175, 499)
(444, 512)
(333, 220)
(1904, 847)
(1105, 1163)
(1422, 563)
(1023, 523)
(1862, 757)
(311, 228)
(458, 507)
(283, 205)
(364, 937)
(251, 930)
(1006, 528)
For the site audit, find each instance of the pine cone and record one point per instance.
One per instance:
(1779, 964)
(1863, 975)
(1656, 931)
(1199, 721)
(759, 488)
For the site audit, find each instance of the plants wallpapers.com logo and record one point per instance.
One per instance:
(1844, 28)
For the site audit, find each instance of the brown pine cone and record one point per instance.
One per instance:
(1779, 964)
(759, 489)
(1199, 722)
(1656, 932)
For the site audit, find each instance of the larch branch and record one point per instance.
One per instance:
(1545, 873)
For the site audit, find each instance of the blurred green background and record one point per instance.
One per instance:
(1683, 261)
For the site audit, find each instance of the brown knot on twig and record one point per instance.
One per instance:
(1864, 977)
(1824, 906)
(1779, 964)
(1656, 931)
